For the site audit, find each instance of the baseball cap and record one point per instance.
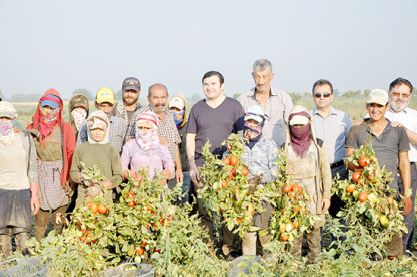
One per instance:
(299, 116)
(378, 96)
(7, 110)
(176, 102)
(256, 113)
(131, 83)
(105, 94)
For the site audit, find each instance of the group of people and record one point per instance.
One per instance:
(43, 164)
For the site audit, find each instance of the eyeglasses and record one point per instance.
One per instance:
(398, 94)
(324, 95)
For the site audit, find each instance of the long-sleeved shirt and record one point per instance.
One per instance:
(153, 160)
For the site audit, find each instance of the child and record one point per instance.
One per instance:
(145, 151)
(96, 151)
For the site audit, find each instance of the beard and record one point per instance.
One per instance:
(399, 107)
(130, 100)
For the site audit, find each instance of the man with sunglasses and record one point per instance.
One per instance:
(275, 103)
(332, 127)
(401, 115)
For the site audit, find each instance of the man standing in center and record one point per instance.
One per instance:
(212, 119)
(276, 104)
(332, 127)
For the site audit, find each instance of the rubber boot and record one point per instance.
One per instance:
(6, 245)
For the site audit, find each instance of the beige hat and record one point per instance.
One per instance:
(176, 102)
(378, 96)
(299, 119)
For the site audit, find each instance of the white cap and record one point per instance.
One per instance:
(256, 113)
(299, 119)
(176, 102)
(378, 96)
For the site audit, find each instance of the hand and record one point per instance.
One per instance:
(195, 174)
(93, 190)
(396, 124)
(407, 205)
(325, 204)
(34, 203)
(107, 184)
(179, 175)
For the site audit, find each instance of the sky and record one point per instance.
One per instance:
(67, 45)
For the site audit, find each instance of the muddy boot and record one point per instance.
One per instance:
(6, 245)
(21, 240)
(41, 223)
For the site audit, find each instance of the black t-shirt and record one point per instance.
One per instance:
(214, 125)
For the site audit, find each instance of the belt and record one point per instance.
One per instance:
(337, 164)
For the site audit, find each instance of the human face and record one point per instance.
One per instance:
(158, 99)
(98, 134)
(263, 80)
(400, 97)
(322, 96)
(212, 88)
(130, 97)
(376, 111)
(105, 107)
(252, 123)
(5, 119)
(174, 109)
(46, 110)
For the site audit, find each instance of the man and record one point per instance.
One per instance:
(105, 102)
(401, 115)
(177, 105)
(275, 103)
(212, 119)
(332, 127)
(167, 130)
(129, 104)
(391, 147)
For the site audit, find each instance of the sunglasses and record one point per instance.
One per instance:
(324, 95)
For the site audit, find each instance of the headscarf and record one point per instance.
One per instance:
(78, 110)
(252, 134)
(7, 134)
(147, 140)
(98, 120)
(46, 124)
(300, 138)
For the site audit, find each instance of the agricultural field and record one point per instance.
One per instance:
(144, 226)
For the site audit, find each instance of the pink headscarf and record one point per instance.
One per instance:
(300, 138)
(150, 139)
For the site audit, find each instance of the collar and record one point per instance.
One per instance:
(387, 128)
(333, 111)
(273, 92)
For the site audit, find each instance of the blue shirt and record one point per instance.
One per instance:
(333, 131)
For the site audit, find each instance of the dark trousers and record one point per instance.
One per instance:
(409, 219)
(336, 204)
(42, 220)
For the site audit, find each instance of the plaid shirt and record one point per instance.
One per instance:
(120, 111)
(117, 133)
(166, 129)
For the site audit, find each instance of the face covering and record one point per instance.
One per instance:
(179, 118)
(300, 139)
(6, 132)
(147, 139)
(78, 115)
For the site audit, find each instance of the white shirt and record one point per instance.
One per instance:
(408, 118)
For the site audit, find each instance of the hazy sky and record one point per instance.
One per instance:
(357, 44)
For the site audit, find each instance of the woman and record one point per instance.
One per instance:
(19, 187)
(96, 151)
(259, 155)
(78, 111)
(55, 144)
(145, 151)
(307, 165)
